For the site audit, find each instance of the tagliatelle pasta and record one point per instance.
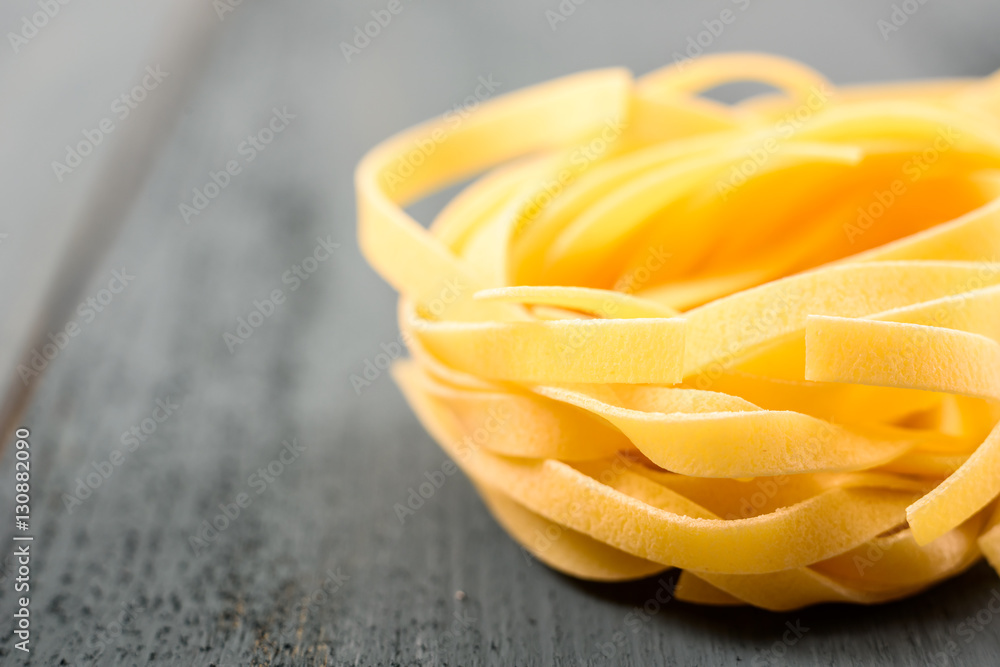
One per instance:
(758, 342)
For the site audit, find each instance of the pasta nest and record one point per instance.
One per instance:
(757, 342)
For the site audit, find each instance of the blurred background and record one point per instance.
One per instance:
(208, 485)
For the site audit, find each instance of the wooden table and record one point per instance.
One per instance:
(316, 569)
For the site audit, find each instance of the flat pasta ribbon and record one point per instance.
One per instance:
(759, 342)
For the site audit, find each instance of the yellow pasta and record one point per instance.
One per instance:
(759, 342)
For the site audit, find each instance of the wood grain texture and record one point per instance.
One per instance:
(317, 569)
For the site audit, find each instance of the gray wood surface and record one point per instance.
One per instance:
(316, 569)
